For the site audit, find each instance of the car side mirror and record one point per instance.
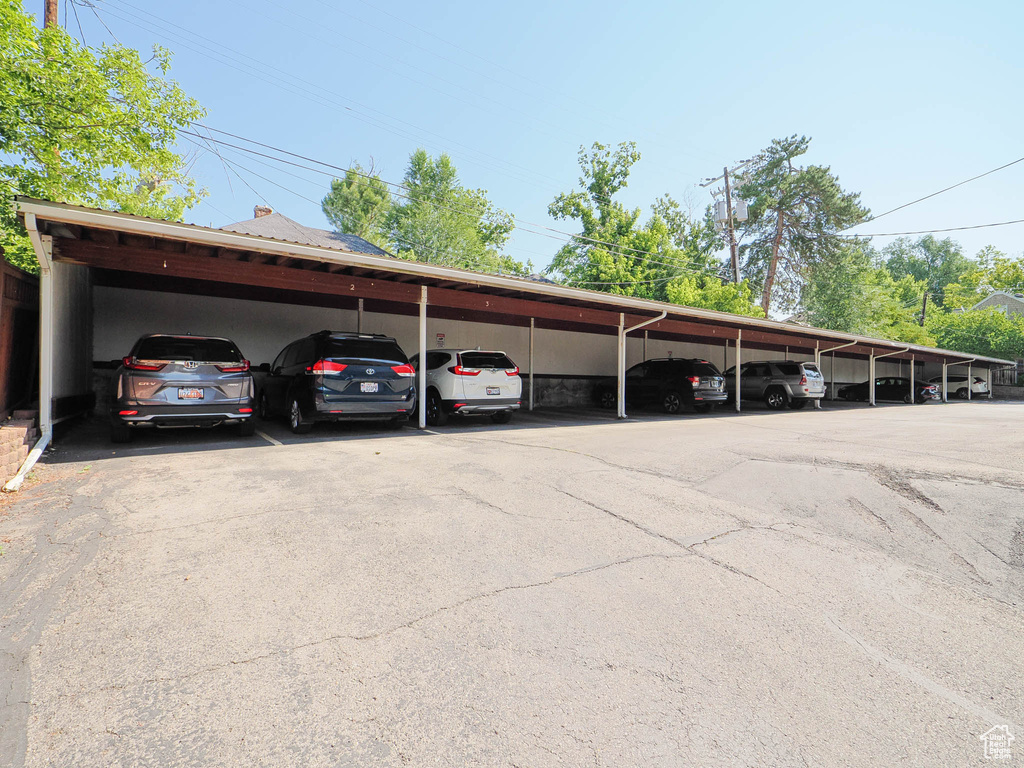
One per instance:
(263, 367)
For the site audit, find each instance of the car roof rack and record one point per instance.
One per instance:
(351, 335)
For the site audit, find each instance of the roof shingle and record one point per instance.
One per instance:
(280, 227)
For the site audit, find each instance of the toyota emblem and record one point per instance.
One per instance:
(370, 371)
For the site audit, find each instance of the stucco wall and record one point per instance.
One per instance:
(72, 332)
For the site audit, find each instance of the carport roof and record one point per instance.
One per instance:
(123, 243)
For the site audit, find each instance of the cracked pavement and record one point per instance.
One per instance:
(788, 589)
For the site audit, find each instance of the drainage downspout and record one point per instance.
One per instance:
(623, 331)
(970, 380)
(43, 246)
(871, 382)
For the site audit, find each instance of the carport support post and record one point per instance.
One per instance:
(913, 391)
(621, 368)
(871, 382)
(531, 363)
(421, 379)
(817, 364)
(359, 317)
(944, 398)
(871, 379)
(739, 351)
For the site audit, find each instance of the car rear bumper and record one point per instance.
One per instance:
(182, 415)
(710, 396)
(340, 411)
(490, 405)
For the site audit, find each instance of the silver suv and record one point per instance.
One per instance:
(176, 381)
(777, 383)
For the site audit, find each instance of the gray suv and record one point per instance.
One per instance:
(777, 383)
(181, 381)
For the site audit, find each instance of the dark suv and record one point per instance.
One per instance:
(181, 381)
(669, 383)
(331, 376)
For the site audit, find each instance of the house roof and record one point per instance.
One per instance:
(279, 227)
(1017, 297)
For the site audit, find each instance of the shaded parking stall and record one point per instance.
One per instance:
(108, 278)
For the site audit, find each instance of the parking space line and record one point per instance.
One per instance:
(268, 438)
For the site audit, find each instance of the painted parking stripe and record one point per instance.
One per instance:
(268, 438)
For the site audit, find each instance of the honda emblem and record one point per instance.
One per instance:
(190, 364)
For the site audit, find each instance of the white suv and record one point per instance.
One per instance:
(470, 381)
(958, 385)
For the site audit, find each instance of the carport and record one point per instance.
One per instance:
(105, 274)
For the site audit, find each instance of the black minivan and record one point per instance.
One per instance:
(329, 376)
(670, 383)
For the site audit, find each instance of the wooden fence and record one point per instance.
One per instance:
(19, 337)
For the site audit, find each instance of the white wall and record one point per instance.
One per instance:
(262, 329)
(72, 332)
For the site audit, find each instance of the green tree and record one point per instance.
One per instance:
(846, 292)
(360, 204)
(994, 271)
(794, 214)
(433, 218)
(937, 263)
(670, 257)
(89, 127)
(979, 331)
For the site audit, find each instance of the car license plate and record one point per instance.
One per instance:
(368, 386)
(190, 393)
(494, 390)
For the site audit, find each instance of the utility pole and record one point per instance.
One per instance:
(49, 13)
(924, 307)
(732, 232)
(728, 219)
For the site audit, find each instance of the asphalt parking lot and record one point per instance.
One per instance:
(841, 587)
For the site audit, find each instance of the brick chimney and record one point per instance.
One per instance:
(261, 210)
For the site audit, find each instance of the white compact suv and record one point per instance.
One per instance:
(470, 381)
(958, 386)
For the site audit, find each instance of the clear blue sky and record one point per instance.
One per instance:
(900, 98)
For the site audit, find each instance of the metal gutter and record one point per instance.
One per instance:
(91, 217)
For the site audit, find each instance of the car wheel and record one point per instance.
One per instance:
(247, 428)
(962, 393)
(502, 417)
(908, 399)
(775, 398)
(120, 432)
(295, 422)
(796, 405)
(671, 402)
(263, 407)
(704, 407)
(608, 399)
(436, 416)
(849, 396)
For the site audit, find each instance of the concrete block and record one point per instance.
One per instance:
(26, 414)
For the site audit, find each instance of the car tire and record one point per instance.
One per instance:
(120, 432)
(263, 407)
(775, 398)
(672, 402)
(849, 396)
(796, 405)
(295, 421)
(704, 407)
(608, 399)
(962, 393)
(247, 428)
(908, 399)
(436, 415)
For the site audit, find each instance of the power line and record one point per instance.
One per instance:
(933, 194)
(935, 231)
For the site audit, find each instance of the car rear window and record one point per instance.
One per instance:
(812, 369)
(703, 368)
(185, 348)
(366, 349)
(486, 360)
(788, 369)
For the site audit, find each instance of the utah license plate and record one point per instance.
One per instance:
(494, 390)
(190, 393)
(368, 386)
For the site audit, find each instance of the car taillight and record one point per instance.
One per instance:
(404, 370)
(695, 380)
(234, 367)
(133, 364)
(127, 413)
(458, 370)
(512, 371)
(803, 380)
(326, 366)
(245, 410)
